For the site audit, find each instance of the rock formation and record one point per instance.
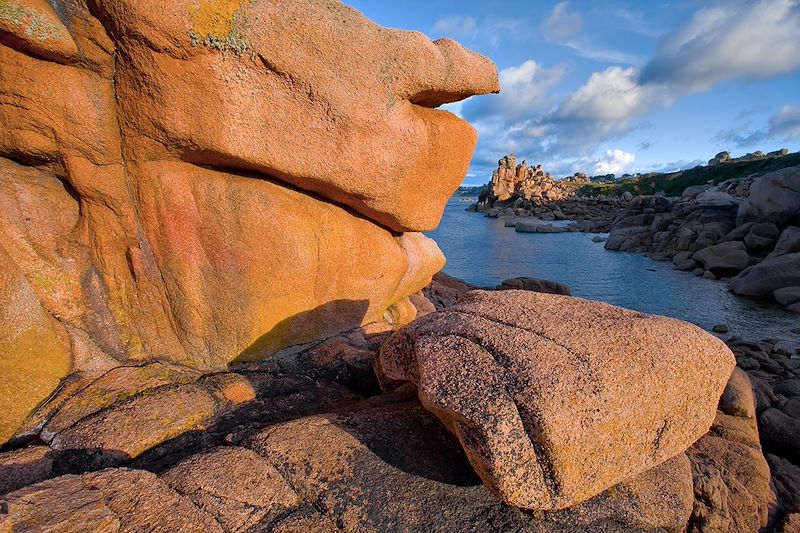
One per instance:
(168, 189)
(746, 229)
(557, 399)
(512, 181)
(211, 225)
(289, 444)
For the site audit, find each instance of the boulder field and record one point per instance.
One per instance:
(214, 310)
(745, 229)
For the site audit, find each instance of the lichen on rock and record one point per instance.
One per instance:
(218, 24)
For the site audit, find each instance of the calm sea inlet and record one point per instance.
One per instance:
(483, 252)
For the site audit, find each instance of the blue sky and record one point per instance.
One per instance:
(621, 85)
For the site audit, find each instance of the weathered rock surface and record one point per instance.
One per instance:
(535, 387)
(347, 470)
(731, 475)
(537, 227)
(158, 168)
(34, 351)
(768, 276)
(25, 466)
(243, 491)
(395, 451)
(108, 501)
(774, 198)
(154, 415)
(726, 258)
(512, 181)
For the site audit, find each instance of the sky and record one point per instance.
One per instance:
(621, 86)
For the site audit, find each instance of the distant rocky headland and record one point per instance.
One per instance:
(218, 312)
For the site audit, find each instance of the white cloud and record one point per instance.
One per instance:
(750, 40)
(524, 90)
(785, 124)
(456, 27)
(490, 30)
(610, 99)
(614, 162)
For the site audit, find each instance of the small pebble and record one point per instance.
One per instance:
(720, 328)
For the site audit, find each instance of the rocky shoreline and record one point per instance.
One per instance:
(744, 230)
(774, 373)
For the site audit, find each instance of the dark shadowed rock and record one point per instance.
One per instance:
(765, 278)
(535, 285)
(240, 489)
(724, 259)
(23, 467)
(444, 290)
(391, 466)
(787, 295)
(762, 236)
(774, 198)
(788, 242)
(731, 475)
(779, 431)
(537, 227)
(533, 386)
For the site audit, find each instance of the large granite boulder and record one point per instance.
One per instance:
(763, 279)
(774, 197)
(731, 475)
(788, 242)
(728, 258)
(208, 182)
(556, 399)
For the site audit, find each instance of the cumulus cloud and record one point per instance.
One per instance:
(744, 40)
(526, 90)
(610, 99)
(750, 40)
(562, 24)
(614, 162)
(526, 118)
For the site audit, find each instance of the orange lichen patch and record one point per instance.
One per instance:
(215, 17)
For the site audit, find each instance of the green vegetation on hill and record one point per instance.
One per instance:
(674, 183)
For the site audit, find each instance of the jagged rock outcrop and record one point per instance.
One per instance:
(167, 188)
(512, 181)
(539, 387)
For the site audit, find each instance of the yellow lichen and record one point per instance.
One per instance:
(214, 24)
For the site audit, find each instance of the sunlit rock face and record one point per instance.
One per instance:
(210, 181)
